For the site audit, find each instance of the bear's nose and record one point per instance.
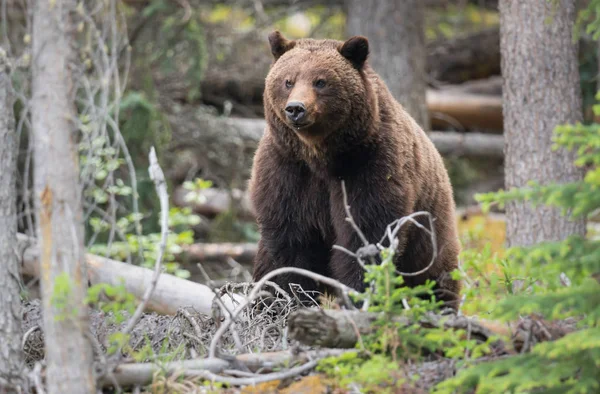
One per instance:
(295, 111)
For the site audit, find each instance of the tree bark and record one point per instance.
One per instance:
(59, 218)
(395, 29)
(541, 91)
(11, 357)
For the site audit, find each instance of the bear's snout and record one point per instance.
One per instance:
(295, 111)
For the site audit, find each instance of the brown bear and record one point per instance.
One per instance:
(330, 118)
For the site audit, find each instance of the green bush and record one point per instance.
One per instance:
(562, 284)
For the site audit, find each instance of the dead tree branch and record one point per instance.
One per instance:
(140, 374)
(158, 177)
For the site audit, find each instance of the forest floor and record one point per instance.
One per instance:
(261, 329)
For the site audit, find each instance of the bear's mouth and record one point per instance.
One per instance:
(300, 126)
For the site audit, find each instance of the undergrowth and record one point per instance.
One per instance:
(393, 344)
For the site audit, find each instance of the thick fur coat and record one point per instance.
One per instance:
(330, 118)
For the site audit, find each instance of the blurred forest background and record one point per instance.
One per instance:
(195, 78)
(186, 77)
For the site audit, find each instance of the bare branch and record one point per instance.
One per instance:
(158, 177)
(256, 291)
(258, 379)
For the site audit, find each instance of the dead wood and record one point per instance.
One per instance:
(240, 252)
(341, 329)
(141, 374)
(475, 145)
(184, 338)
(457, 109)
(170, 294)
(491, 86)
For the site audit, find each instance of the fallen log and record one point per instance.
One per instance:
(240, 252)
(171, 293)
(491, 86)
(468, 144)
(341, 328)
(141, 374)
(460, 110)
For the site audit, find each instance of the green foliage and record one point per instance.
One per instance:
(462, 172)
(175, 45)
(571, 364)
(393, 340)
(457, 19)
(368, 372)
(491, 284)
(180, 220)
(590, 18)
(114, 300)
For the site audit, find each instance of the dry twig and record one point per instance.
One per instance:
(158, 177)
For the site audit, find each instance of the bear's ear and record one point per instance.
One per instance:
(356, 49)
(279, 44)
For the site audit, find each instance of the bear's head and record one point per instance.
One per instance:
(317, 87)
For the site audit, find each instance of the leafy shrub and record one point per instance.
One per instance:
(562, 284)
(392, 342)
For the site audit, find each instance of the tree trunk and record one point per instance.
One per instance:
(11, 360)
(541, 91)
(395, 29)
(59, 216)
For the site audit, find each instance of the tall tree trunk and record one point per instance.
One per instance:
(541, 91)
(395, 29)
(59, 216)
(11, 358)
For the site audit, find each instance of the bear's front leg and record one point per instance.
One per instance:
(292, 210)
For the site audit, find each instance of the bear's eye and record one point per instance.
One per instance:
(320, 83)
(288, 83)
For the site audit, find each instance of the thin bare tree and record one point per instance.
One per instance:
(11, 358)
(396, 33)
(58, 201)
(541, 91)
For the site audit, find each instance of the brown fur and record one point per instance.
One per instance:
(356, 132)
